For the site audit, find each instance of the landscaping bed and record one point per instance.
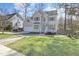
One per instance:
(57, 45)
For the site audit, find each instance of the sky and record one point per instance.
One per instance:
(10, 7)
(7, 6)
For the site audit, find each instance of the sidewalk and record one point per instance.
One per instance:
(8, 41)
(23, 33)
(11, 32)
(15, 32)
(5, 51)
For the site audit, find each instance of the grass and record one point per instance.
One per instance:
(4, 36)
(57, 45)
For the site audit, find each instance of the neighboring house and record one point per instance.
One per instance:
(4, 21)
(42, 22)
(15, 20)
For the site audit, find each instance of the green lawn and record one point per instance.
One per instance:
(47, 46)
(4, 36)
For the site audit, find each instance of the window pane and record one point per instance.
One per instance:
(36, 22)
(36, 19)
(52, 27)
(36, 26)
(28, 21)
(51, 18)
(44, 19)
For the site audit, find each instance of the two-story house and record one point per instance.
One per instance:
(41, 21)
(15, 20)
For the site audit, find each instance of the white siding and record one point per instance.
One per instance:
(16, 19)
(46, 23)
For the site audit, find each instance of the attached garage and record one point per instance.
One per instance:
(28, 29)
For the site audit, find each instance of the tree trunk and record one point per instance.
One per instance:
(65, 21)
(71, 22)
(71, 25)
(2, 27)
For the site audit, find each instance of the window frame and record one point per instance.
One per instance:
(51, 18)
(36, 18)
(36, 27)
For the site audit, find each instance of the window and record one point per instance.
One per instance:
(16, 24)
(52, 27)
(36, 26)
(36, 19)
(28, 21)
(36, 22)
(44, 19)
(31, 17)
(51, 18)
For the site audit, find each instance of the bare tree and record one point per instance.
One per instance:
(64, 6)
(72, 12)
(56, 6)
(23, 8)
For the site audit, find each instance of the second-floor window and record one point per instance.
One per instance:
(36, 22)
(44, 19)
(28, 20)
(37, 19)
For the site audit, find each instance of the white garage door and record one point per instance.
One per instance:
(28, 29)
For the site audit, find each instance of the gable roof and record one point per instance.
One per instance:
(6, 17)
(39, 12)
(49, 13)
(11, 15)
